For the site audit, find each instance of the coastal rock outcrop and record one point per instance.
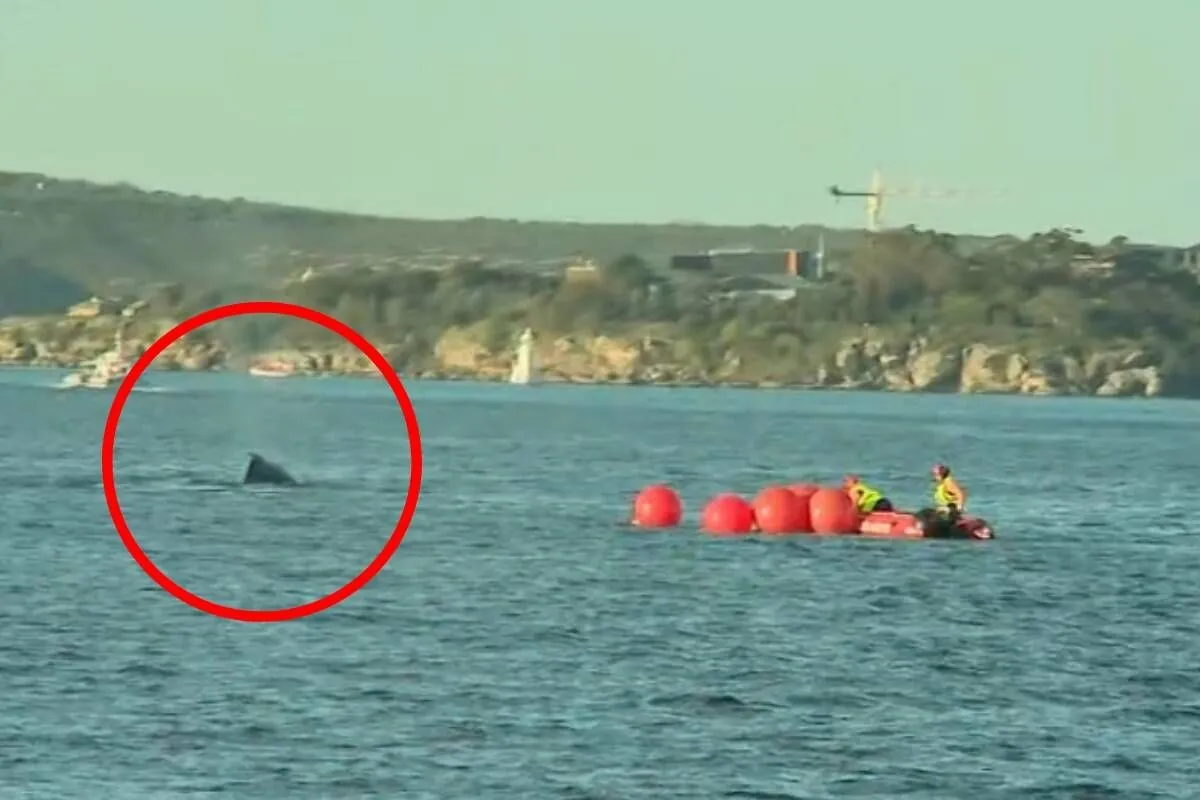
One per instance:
(916, 364)
(70, 341)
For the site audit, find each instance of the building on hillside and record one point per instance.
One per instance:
(1190, 258)
(1151, 256)
(1134, 258)
(581, 270)
(1084, 265)
(133, 308)
(751, 286)
(791, 262)
(94, 307)
(698, 262)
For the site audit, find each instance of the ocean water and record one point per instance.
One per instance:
(522, 644)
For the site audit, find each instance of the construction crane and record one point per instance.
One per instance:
(874, 197)
(876, 193)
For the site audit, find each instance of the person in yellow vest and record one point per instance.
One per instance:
(866, 498)
(949, 497)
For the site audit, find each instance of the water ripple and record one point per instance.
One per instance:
(523, 645)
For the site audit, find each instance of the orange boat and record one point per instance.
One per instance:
(925, 524)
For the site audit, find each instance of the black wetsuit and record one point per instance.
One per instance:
(938, 525)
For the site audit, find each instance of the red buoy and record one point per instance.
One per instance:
(804, 493)
(727, 515)
(657, 506)
(832, 511)
(804, 490)
(778, 510)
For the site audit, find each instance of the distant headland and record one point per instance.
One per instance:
(900, 310)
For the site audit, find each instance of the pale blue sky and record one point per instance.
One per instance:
(1084, 114)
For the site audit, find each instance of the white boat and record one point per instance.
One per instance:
(524, 368)
(272, 369)
(107, 369)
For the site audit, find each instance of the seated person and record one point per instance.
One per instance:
(865, 498)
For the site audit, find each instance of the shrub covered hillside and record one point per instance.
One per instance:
(1046, 294)
(407, 283)
(61, 240)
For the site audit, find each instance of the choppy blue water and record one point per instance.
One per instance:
(522, 645)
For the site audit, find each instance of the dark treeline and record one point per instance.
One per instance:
(397, 280)
(1045, 293)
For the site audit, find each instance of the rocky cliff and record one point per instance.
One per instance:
(987, 369)
(859, 363)
(917, 365)
(67, 342)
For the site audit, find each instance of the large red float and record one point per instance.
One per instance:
(778, 510)
(804, 490)
(804, 493)
(727, 515)
(657, 506)
(832, 511)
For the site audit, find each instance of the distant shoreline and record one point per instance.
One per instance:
(556, 382)
(804, 307)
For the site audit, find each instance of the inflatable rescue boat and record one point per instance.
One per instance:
(925, 524)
